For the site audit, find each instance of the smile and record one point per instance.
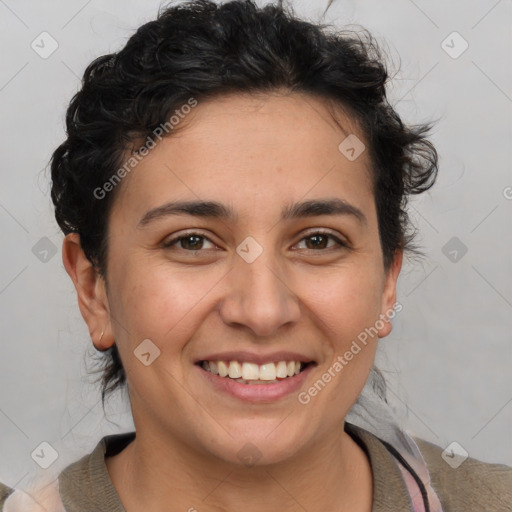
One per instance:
(252, 373)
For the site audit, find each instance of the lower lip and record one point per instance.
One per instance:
(257, 392)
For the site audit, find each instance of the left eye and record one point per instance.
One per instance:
(320, 240)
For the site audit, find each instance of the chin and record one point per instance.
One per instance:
(263, 446)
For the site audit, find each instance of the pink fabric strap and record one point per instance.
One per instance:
(413, 489)
(433, 503)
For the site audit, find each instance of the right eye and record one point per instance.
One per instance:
(188, 242)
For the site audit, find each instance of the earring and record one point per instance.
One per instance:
(101, 337)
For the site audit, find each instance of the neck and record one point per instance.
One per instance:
(332, 475)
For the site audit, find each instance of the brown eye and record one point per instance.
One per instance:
(189, 242)
(320, 240)
(192, 242)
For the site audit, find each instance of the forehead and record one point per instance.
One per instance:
(276, 119)
(281, 146)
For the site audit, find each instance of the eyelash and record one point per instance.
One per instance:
(341, 244)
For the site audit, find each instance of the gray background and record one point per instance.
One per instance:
(448, 359)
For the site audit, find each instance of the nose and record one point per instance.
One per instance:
(259, 297)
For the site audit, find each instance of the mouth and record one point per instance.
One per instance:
(249, 373)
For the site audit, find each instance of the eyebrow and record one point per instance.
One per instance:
(216, 210)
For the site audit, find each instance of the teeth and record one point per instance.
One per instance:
(268, 371)
(251, 373)
(235, 370)
(281, 370)
(223, 368)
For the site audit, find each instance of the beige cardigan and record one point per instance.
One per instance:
(474, 486)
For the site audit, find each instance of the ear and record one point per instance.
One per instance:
(91, 292)
(389, 295)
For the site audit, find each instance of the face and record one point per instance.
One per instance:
(281, 274)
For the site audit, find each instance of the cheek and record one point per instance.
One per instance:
(346, 300)
(155, 301)
(346, 308)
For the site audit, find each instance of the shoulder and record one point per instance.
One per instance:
(86, 485)
(38, 496)
(4, 493)
(472, 485)
(81, 485)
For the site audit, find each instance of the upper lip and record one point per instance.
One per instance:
(251, 357)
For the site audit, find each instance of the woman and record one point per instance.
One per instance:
(233, 190)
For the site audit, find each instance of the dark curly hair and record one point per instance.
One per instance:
(202, 50)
